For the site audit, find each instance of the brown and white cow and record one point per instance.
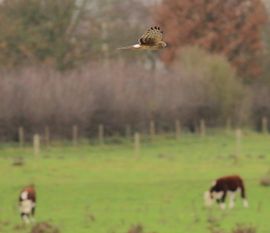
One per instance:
(223, 186)
(27, 203)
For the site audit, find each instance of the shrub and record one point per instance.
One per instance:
(120, 94)
(220, 94)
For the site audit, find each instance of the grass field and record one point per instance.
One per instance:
(105, 189)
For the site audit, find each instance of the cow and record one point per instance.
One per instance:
(223, 186)
(27, 203)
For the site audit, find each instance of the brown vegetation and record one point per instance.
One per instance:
(265, 180)
(66, 33)
(44, 227)
(260, 103)
(118, 95)
(232, 28)
(136, 229)
(203, 87)
(18, 161)
(244, 229)
(239, 228)
(34, 31)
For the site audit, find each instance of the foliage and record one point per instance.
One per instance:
(220, 94)
(232, 28)
(120, 94)
(119, 23)
(66, 33)
(260, 102)
(34, 31)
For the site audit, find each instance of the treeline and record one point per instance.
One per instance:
(67, 33)
(119, 94)
(64, 34)
(59, 65)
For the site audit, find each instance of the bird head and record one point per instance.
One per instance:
(163, 44)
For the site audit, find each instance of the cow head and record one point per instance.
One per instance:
(211, 196)
(208, 198)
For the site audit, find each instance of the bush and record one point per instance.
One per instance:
(220, 94)
(120, 94)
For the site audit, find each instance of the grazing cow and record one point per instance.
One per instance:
(27, 203)
(223, 186)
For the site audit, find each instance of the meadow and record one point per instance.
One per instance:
(106, 188)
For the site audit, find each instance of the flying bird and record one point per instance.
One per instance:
(152, 39)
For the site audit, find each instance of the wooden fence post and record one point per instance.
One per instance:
(47, 135)
(202, 127)
(21, 136)
(264, 125)
(177, 129)
(36, 144)
(75, 135)
(101, 134)
(137, 145)
(238, 141)
(152, 130)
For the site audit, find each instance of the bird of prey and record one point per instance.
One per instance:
(152, 39)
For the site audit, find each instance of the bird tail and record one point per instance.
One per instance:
(136, 46)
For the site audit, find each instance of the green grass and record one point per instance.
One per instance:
(105, 189)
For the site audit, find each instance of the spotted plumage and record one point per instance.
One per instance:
(152, 39)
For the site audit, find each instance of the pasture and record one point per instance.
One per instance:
(106, 189)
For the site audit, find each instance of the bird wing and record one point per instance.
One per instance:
(151, 37)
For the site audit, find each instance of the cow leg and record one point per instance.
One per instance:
(245, 203)
(243, 195)
(222, 200)
(232, 198)
(25, 218)
(33, 211)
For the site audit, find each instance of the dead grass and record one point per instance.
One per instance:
(18, 161)
(265, 180)
(136, 229)
(244, 229)
(44, 227)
